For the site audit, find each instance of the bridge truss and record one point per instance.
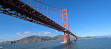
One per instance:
(19, 9)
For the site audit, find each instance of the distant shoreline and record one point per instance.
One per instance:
(43, 39)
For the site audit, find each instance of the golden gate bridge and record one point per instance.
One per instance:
(38, 12)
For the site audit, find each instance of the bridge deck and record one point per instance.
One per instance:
(23, 11)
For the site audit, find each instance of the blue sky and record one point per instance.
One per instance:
(86, 18)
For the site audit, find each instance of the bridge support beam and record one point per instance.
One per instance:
(65, 24)
(65, 37)
(68, 38)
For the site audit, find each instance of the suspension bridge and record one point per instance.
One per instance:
(38, 12)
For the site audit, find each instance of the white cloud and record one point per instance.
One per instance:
(42, 33)
(24, 33)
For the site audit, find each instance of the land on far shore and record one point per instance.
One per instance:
(42, 39)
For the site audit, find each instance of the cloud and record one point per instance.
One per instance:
(24, 33)
(42, 33)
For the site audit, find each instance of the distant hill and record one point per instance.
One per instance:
(42, 39)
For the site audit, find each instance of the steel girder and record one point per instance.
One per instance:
(21, 10)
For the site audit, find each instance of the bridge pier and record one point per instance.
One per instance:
(65, 37)
(68, 37)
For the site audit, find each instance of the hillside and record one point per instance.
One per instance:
(41, 39)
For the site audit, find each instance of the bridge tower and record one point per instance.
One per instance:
(65, 23)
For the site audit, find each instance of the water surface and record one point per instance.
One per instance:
(98, 43)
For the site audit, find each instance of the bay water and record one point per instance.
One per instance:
(97, 43)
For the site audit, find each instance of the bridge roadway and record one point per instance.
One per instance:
(26, 12)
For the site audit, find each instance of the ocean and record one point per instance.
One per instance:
(97, 43)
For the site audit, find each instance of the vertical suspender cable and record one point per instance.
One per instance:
(53, 15)
(43, 9)
(38, 6)
(47, 11)
(30, 3)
